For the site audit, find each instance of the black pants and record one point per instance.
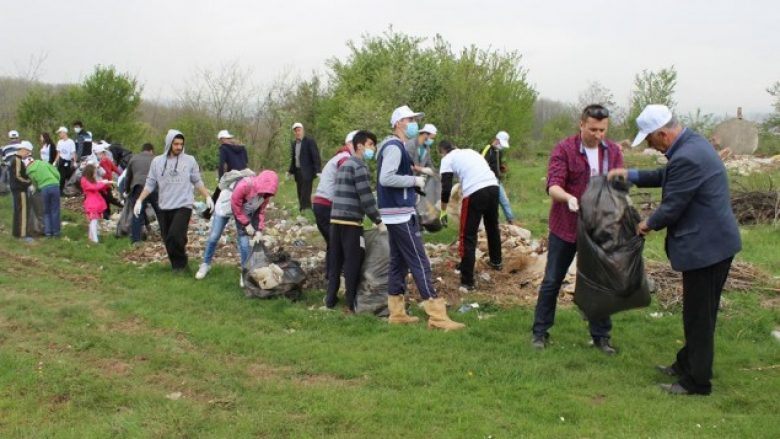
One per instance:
(346, 252)
(701, 298)
(481, 204)
(322, 216)
(303, 185)
(173, 228)
(21, 211)
(66, 171)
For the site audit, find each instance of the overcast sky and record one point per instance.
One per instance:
(726, 52)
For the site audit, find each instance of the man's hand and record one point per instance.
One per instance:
(250, 231)
(573, 204)
(427, 171)
(210, 204)
(617, 173)
(137, 208)
(381, 227)
(419, 182)
(444, 218)
(642, 229)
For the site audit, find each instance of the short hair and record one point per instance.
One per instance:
(361, 137)
(673, 122)
(446, 146)
(147, 147)
(78, 122)
(595, 111)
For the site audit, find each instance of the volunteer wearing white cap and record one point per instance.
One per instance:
(396, 199)
(304, 164)
(232, 155)
(493, 155)
(19, 182)
(701, 240)
(8, 152)
(419, 149)
(66, 156)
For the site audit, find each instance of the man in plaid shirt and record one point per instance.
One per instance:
(572, 163)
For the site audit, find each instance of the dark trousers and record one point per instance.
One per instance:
(173, 228)
(21, 210)
(346, 254)
(701, 298)
(51, 210)
(137, 222)
(66, 171)
(322, 216)
(108, 195)
(481, 204)
(303, 185)
(560, 254)
(407, 253)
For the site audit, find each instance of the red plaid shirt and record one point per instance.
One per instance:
(570, 170)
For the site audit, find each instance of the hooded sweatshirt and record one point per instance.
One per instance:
(251, 196)
(227, 183)
(174, 177)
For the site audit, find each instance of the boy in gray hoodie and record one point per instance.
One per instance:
(174, 174)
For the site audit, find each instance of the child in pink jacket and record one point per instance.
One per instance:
(249, 200)
(94, 203)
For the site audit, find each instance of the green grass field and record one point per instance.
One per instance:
(91, 347)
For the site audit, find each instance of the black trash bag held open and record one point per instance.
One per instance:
(610, 269)
(290, 284)
(372, 288)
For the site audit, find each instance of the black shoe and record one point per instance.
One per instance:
(675, 389)
(603, 345)
(666, 370)
(468, 287)
(495, 266)
(539, 342)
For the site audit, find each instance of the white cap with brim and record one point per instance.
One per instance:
(297, 125)
(402, 113)
(62, 130)
(13, 134)
(652, 118)
(503, 139)
(99, 148)
(350, 136)
(224, 134)
(25, 145)
(429, 128)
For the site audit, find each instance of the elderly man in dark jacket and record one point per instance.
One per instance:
(304, 164)
(702, 235)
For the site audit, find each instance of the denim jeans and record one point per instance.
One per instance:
(218, 224)
(503, 200)
(244, 247)
(560, 255)
(51, 210)
(137, 222)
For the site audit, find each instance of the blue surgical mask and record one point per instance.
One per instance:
(428, 142)
(412, 130)
(368, 154)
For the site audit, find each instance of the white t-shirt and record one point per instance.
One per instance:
(45, 151)
(66, 148)
(471, 168)
(593, 160)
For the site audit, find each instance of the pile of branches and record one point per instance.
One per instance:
(668, 283)
(756, 206)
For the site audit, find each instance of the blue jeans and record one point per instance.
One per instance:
(218, 224)
(560, 254)
(51, 210)
(137, 222)
(244, 247)
(503, 200)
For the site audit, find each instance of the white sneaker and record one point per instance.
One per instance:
(241, 280)
(202, 271)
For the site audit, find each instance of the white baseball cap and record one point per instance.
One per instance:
(503, 139)
(429, 128)
(224, 134)
(297, 125)
(25, 145)
(62, 130)
(13, 134)
(652, 118)
(350, 136)
(98, 148)
(402, 113)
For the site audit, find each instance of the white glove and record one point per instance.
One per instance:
(137, 208)
(257, 237)
(419, 182)
(427, 171)
(574, 205)
(381, 227)
(210, 204)
(250, 231)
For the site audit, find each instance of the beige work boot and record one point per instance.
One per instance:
(437, 311)
(397, 308)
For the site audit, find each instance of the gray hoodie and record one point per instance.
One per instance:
(174, 177)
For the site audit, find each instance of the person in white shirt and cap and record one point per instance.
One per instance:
(66, 155)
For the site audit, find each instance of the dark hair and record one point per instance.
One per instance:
(595, 111)
(78, 122)
(89, 173)
(46, 139)
(362, 136)
(147, 147)
(446, 146)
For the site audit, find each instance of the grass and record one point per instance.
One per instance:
(91, 347)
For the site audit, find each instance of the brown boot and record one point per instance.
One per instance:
(397, 307)
(437, 311)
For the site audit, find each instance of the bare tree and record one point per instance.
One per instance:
(33, 69)
(596, 93)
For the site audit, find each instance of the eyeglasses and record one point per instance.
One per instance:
(596, 112)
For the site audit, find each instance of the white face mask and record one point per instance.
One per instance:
(77, 130)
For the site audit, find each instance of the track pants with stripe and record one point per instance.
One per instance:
(21, 210)
(407, 253)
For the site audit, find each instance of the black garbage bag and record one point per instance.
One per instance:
(35, 226)
(261, 263)
(372, 288)
(427, 207)
(610, 269)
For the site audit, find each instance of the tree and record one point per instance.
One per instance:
(653, 88)
(596, 93)
(702, 123)
(774, 120)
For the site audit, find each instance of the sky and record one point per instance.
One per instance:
(726, 52)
